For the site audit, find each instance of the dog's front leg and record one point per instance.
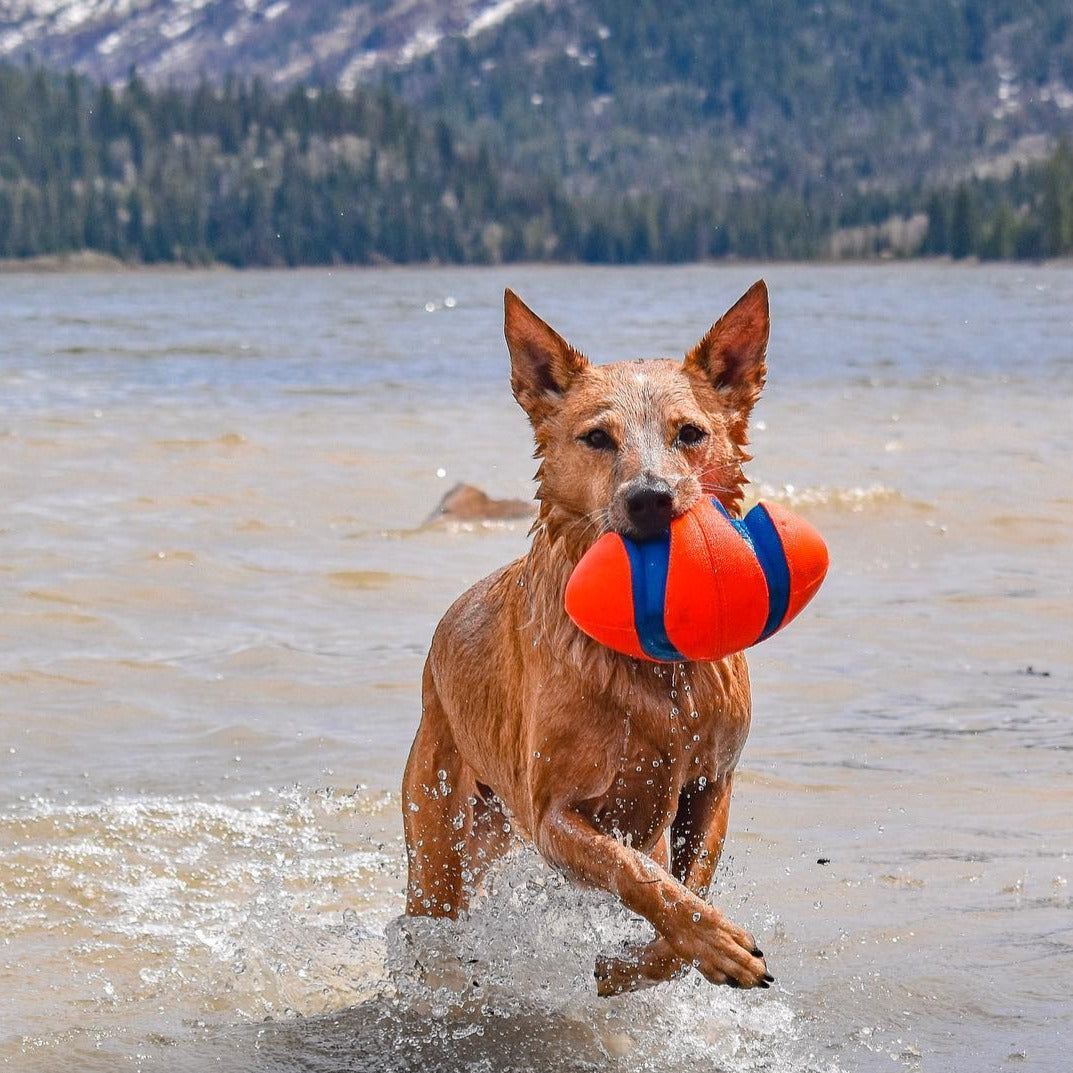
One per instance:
(697, 837)
(697, 933)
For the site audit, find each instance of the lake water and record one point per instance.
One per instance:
(217, 592)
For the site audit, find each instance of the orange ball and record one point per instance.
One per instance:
(709, 586)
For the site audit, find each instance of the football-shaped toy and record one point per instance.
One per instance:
(709, 586)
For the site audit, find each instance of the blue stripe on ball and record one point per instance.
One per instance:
(772, 558)
(649, 561)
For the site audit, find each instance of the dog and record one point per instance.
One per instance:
(619, 771)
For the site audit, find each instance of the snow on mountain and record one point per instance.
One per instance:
(281, 41)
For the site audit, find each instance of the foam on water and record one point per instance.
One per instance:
(159, 903)
(851, 499)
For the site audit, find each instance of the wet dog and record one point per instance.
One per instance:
(619, 771)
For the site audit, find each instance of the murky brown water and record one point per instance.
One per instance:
(216, 597)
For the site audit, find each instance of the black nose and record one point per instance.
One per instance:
(650, 508)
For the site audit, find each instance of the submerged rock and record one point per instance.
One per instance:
(467, 503)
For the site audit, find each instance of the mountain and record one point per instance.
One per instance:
(596, 130)
(631, 97)
(857, 93)
(283, 42)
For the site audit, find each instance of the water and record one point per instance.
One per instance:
(217, 591)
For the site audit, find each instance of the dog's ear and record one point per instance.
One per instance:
(542, 363)
(731, 356)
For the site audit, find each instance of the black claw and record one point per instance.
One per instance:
(731, 982)
(764, 984)
(758, 953)
(770, 979)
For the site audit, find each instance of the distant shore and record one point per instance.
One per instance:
(92, 261)
(79, 261)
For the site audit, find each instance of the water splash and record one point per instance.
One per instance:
(267, 930)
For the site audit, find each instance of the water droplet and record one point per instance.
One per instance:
(696, 918)
(441, 774)
(674, 712)
(414, 807)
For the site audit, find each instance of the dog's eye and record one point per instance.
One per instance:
(598, 440)
(690, 435)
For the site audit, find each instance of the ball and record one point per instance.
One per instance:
(709, 586)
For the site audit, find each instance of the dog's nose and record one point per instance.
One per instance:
(650, 508)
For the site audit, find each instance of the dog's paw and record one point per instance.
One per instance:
(640, 967)
(721, 952)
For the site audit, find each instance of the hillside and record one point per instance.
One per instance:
(246, 177)
(282, 42)
(642, 96)
(669, 92)
(272, 131)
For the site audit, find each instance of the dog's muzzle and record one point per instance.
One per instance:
(649, 506)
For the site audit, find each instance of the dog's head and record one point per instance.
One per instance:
(627, 447)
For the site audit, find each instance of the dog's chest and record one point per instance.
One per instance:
(667, 738)
(693, 716)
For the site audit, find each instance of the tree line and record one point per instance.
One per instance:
(1027, 215)
(240, 175)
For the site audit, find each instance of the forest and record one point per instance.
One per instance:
(240, 175)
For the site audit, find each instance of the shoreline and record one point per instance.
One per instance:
(90, 262)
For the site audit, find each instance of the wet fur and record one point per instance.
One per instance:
(531, 728)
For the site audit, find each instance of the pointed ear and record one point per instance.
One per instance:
(542, 363)
(731, 356)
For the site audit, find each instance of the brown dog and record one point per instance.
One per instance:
(619, 771)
